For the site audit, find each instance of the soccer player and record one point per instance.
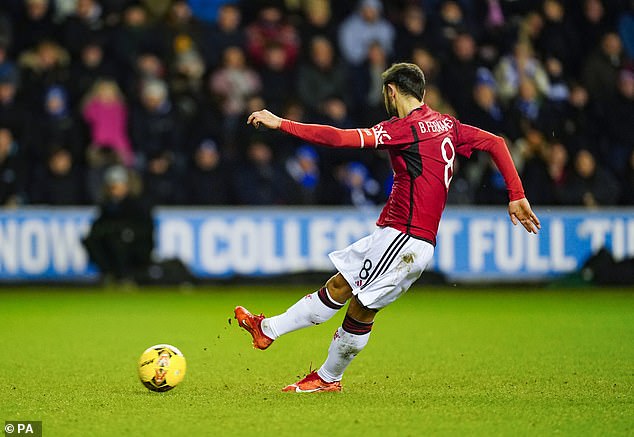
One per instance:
(376, 270)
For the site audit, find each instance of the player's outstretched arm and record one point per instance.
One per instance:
(314, 133)
(520, 211)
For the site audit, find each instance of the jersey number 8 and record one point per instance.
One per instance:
(449, 155)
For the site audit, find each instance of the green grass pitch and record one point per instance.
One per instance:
(448, 361)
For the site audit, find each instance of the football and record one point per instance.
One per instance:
(162, 367)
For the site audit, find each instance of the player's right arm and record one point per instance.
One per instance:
(315, 133)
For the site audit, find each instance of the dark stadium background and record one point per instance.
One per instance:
(161, 90)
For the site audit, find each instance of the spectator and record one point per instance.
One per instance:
(363, 27)
(601, 68)
(318, 22)
(617, 122)
(486, 110)
(60, 182)
(270, 28)
(154, 126)
(259, 180)
(56, 125)
(558, 168)
(335, 112)
(120, 240)
(133, 36)
(91, 64)
(589, 184)
(496, 26)
(44, 66)
(450, 21)
(183, 32)
(575, 124)
(34, 23)
(322, 76)
(276, 78)
(593, 22)
(226, 32)
(11, 171)
(429, 64)
(106, 114)
(558, 92)
(187, 84)
(537, 181)
(303, 168)
(559, 37)
(368, 88)
(206, 182)
(13, 113)
(85, 24)
(529, 108)
(412, 31)
(149, 67)
(233, 83)
(520, 65)
(360, 189)
(161, 178)
(460, 72)
(530, 29)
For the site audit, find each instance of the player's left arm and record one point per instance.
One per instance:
(519, 209)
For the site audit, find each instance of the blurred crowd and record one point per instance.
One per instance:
(162, 88)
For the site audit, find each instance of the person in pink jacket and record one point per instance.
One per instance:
(106, 114)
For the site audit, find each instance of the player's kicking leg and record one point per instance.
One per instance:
(312, 309)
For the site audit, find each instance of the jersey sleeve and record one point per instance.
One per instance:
(329, 136)
(387, 134)
(470, 138)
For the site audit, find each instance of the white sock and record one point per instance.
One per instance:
(312, 309)
(343, 348)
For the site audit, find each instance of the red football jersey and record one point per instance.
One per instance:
(422, 148)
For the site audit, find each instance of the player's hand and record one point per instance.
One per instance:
(520, 211)
(264, 118)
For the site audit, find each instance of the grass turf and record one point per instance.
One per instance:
(440, 362)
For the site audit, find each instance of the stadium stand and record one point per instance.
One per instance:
(164, 87)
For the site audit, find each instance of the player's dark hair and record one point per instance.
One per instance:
(408, 78)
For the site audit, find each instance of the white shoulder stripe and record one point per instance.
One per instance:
(361, 136)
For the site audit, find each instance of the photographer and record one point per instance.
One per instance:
(120, 241)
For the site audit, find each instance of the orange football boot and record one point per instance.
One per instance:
(252, 324)
(313, 383)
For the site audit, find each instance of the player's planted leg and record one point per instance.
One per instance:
(348, 341)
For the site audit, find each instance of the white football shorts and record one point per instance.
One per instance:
(383, 265)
